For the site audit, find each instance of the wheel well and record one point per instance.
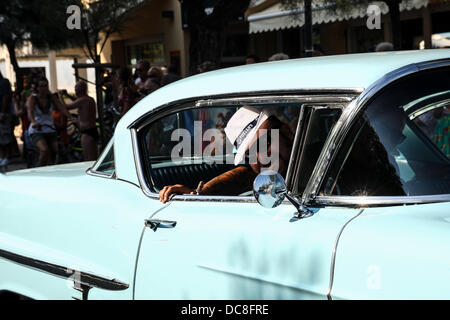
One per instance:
(9, 295)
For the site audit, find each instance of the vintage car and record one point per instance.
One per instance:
(362, 211)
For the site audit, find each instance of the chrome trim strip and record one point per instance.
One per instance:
(347, 119)
(333, 255)
(100, 174)
(92, 170)
(359, 202)
(82, 278)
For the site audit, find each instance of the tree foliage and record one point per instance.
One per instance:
(41, 23)
(100, 19)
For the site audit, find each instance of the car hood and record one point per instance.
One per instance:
(38, 180)
(59, 171)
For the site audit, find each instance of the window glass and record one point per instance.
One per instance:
(388, 152)
(153, 52)
(217, 146)
(435, 124)
(106, 165)
(318, 124)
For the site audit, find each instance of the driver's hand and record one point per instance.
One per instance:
(167, 191)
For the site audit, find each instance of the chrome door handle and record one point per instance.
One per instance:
(154, 224)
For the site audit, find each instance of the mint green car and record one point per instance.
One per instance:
(361, 212)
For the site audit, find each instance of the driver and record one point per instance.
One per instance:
(262, 142)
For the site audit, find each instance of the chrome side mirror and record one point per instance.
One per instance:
(269, 189)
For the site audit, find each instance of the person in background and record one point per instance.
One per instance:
(42, 132)
(279, 56)
(318, 51)
(142, 72)
(252, 58)
(441, 133)
(127, 90)
(154, 80)
(171, 76)
(6, 136)
(87, 114)
(384, 46)
(206, 66)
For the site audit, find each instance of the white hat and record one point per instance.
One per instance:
(242, 127)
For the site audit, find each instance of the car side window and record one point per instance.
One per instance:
(318, 123)
(191, 146)
(389, 151)
(105, 165)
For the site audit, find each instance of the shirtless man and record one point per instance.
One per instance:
(86, 116)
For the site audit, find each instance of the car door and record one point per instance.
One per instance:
(230, 247)
(75, 237)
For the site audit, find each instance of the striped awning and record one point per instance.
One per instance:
(276, 17)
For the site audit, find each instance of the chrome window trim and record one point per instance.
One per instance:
(344, 98)
(360, 202)
(296, 172)
(348, 117)
(93, 170)
(247, 96)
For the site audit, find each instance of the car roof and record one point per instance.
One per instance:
(347, 71)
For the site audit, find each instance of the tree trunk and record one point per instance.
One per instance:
(207, 31)
(394, 13)
(12, 57)
(205, 45)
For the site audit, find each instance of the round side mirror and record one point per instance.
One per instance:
(269, 189)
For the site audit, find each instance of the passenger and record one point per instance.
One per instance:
(248, 130)
(87, 119)
(42, 132)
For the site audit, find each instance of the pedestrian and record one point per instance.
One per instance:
(252, 58)
(171, 76)
(142, 69)
(127, 90)
(279, 56)
(43, 135)
(87, 114)
(384, 46)
(6, 136)
(154, 80)
(206, 66)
